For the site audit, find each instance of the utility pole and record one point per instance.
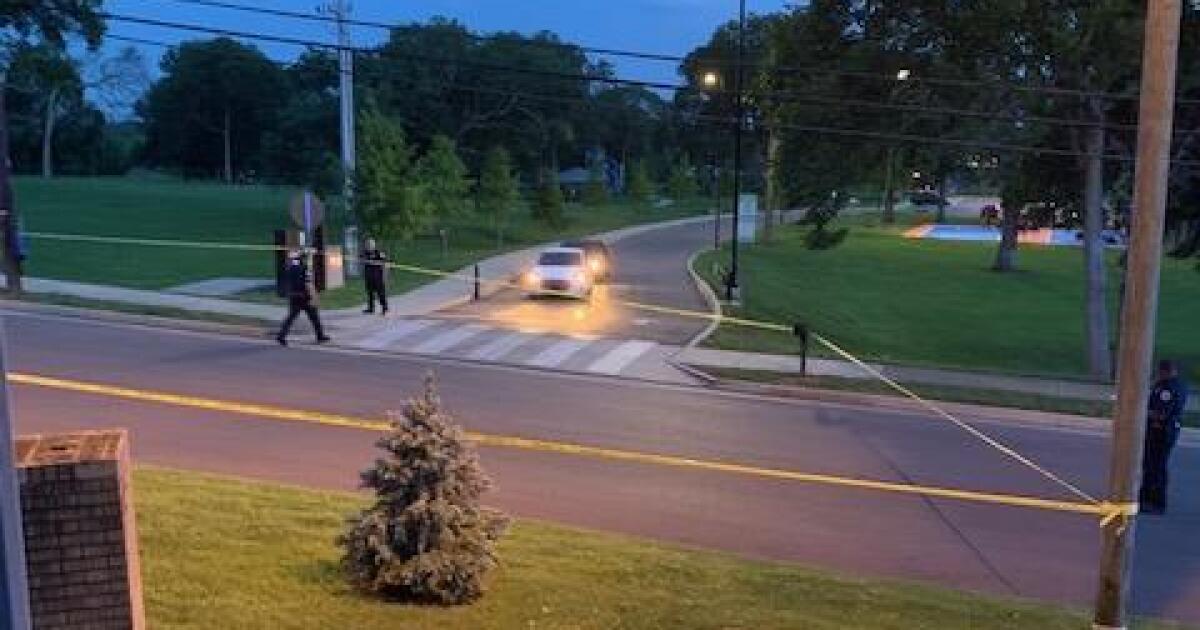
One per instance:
(340, 9)
(731, 286)
(1159, 60)
(14, 587)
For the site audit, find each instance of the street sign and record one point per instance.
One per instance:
(307, 211)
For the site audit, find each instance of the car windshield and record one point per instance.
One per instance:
(560, 259)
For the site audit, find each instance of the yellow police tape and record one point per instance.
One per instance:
(718, 317)
(1106, 510)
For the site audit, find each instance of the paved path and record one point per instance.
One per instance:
(969, 546)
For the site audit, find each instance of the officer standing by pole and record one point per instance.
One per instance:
(1167, 402)
(374, 264)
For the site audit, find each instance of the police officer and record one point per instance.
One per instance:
(301, 297)
(375, 274)
(1167, 402)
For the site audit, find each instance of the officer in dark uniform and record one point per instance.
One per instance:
(375, 274)
(301, 297)
(1167, 402)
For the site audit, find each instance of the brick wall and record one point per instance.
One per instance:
(80, 533)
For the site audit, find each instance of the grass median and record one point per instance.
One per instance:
(220, 553)
(939, 304)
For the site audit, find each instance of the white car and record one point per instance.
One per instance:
(560, 271)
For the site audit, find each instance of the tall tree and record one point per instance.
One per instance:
(443, 176)
(498, 190)
(641, 189)
(682, 183)
(595, 190)
(209, 112)
(389, 201)
(21, 22)
(547, 204)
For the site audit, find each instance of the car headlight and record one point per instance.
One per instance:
(579, 278)
(596, 264)
(532, 278)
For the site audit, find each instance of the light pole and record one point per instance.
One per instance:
(731, 285)
(711, 80)
(889, 210)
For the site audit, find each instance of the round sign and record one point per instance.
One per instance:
(307, 211)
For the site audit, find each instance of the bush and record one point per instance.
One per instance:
(595, 191)
(548, 203)
(682, 184)
(426, 539)
(641, 189)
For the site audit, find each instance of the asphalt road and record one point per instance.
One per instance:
(1013, 551)
(649, 268)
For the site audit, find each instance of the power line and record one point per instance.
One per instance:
(668, 58)
(609, 80)
(295, 41)
(727, 122)
(646, 56)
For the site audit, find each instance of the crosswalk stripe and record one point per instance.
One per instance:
(499, 346)
(557, 353)
(449, 338)
(391, 334)
(620, 357)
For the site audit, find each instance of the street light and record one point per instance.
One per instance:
(902, 75)
(710, 79)
(731, 285)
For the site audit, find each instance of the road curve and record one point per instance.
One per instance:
(650, 268)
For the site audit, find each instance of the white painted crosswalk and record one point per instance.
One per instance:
(480, 342)
(557, 353)
(448, 339)
(620, 357)
(393, 333)
(500, 346)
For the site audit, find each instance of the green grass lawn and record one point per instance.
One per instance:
(218, 553)
(176, 210)
(935, 303)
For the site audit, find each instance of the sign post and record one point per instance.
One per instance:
(308, 213)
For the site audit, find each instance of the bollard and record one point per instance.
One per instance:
(800, 330)
(476, 295)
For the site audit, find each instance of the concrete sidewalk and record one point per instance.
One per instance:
(702, 358)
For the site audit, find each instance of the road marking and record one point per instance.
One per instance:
(449, 339)
(1105, 510)
(499, 346)
(620, 357)
(390, 334)
(558, 352)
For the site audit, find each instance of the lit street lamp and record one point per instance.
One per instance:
(731, 284)
(902, 75)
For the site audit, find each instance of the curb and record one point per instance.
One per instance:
(710, 297)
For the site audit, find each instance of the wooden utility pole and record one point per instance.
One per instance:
(1159, 61)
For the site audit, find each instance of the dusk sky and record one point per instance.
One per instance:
(672, 27)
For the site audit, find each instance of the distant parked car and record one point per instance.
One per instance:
(559, 271)
(599, 258)
(922, 198)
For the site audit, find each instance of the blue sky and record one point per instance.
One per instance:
(672, 27)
